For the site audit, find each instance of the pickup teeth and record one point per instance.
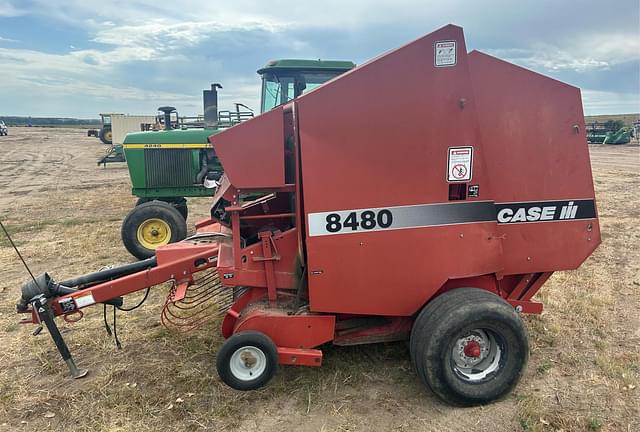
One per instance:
(188, 308)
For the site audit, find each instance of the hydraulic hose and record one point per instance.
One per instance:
(111, 273)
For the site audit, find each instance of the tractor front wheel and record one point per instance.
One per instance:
(469, 346)
(247, 360)
(179, 203)
(151, 225)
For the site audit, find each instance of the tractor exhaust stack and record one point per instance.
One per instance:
(167, 110)
(210, 104)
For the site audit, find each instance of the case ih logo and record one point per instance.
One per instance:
(545, 211)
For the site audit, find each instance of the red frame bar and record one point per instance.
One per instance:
(299, 356)
(268, 216)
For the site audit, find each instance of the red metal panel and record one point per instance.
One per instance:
(252, 152)
(378, 136)
(395, 272)
(293, 331)
(532, 130)
(233, 314)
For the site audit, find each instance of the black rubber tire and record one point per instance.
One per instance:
(150, 210)
(103, 134)
(236, 342)
(179, 203)
(449, 317)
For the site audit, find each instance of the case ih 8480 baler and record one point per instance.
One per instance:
(425, 195)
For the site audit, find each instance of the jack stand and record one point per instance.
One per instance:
(45, 315)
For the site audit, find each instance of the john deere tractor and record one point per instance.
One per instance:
(174, 163)
(104, 133)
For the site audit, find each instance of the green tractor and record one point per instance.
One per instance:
(104, 133)
(169, 165)
(611, 132)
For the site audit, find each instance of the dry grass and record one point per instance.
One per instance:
(583, 374)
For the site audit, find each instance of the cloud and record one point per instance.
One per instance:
(3, 39)
(599, 102)
(9, 9)
(134, 50)
(162, 35)
(596, 51)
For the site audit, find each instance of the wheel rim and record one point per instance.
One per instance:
(248, 363)
(477, 355)
(153, 233)
(108, 136)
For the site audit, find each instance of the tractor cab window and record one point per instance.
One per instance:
(280, 89)
(276, 90)
(106, 120)
(315, 79)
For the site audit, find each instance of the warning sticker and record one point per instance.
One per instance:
(85, 300)
(459, 164)
(445, 53)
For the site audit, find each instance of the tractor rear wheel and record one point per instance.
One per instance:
(106, 135)
(247, 360)
(469, 346)
(151, 225)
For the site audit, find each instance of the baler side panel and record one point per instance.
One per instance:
(378, 137)
(535, 148)
(252, 153)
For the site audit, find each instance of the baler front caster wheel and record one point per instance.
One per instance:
(469, 346)
(247, 360)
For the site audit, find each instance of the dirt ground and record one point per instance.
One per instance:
(65, 213)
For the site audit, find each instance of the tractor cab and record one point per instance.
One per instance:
(106, 119)
(284, 80)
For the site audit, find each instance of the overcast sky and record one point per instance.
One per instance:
(77, 58)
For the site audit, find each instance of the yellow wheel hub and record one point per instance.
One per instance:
(108, 135)
(153, 233)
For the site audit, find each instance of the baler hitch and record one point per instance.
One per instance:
(39, 291)
(45, 287)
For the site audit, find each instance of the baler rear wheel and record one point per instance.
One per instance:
(469, 346)
(150, 225)
(247, 360)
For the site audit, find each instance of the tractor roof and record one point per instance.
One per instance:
(313, 65)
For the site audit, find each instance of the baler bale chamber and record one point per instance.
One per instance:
(437, 224)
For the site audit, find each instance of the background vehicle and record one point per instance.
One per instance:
(610, 132)
(4, 130)
(104, 133)
(169, 165)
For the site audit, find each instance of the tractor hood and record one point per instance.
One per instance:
(188, 138)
